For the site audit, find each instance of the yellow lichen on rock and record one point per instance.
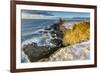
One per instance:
(79, 33)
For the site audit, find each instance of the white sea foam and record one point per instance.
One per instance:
(39, 31)
(29, 41)
(43, 40)
(32, 32)
(24, 57)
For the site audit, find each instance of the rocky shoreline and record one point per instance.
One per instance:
(59, 51)
(35, 52)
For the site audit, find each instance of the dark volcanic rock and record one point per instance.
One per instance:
(35, 53)
(59, 34)
(57, 43)
(56, 26)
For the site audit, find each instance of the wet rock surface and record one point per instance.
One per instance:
(36, 53)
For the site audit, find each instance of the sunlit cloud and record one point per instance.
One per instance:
(37, 16)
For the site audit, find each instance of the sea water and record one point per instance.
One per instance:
(31, 30)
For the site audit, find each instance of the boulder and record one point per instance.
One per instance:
(35, 53)
(80, 51)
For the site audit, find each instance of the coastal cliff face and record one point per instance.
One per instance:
(79, 33)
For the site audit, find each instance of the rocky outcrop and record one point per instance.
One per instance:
(78, 51)
(35, 53)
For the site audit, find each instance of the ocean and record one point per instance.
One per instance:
(31, 29)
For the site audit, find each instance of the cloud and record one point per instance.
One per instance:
(47, 13)
(36, 16)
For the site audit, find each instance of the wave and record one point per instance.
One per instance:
(24, 57)
(40, 41)
(39, 30)
(32, 30)
(41, 37)
(29, 41)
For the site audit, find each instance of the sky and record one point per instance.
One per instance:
(40, 14)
